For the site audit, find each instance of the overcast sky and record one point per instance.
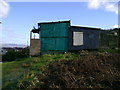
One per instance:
(18, 18)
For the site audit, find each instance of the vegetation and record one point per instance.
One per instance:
(119, 38)
(90, 71)
(109, 39)
(84, 69)
(15, 72)
(13, 55)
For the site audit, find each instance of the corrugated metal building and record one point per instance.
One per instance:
(54, 36)
(62, 37)
(83, 38)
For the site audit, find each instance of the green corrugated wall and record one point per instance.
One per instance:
(54, 37)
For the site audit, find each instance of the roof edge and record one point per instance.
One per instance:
(54, 22)
(86, 27)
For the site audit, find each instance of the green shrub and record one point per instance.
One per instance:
(14, 55)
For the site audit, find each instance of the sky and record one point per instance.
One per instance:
(18, 18)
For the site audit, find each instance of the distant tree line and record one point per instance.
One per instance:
(14, 55)
(119, 37)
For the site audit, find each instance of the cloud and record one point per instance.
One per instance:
(1, 33)
(4, 9)
(111, 7)
(1, 27)
(94, 4)
(8, 35)
(116, 26)
(105, 4)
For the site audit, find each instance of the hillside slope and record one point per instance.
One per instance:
(70, 70)
(17, 70)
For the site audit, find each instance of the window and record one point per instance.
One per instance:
(77, 38)
(35, 36)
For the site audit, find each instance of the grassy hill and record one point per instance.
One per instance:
(16, 70)
(70, 70)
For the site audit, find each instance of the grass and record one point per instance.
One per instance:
(15, 70)
(88, 71)
(23, 72)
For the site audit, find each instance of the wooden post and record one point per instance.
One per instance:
(30, 43)
(30, 35)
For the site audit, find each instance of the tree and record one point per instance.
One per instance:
(118, 37)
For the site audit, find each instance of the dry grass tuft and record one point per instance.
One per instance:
(88, 71)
